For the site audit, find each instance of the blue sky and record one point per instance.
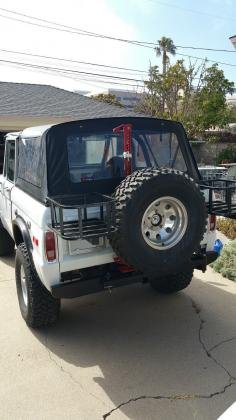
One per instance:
(206, 23)
(210, 28)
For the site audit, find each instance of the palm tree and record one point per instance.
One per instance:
(165, 45)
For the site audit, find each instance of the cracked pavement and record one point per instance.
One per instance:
(133, 354)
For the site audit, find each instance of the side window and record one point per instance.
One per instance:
(30, 160)
(2, 152)
(9, 167)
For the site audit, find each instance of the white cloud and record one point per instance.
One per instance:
(90, 15)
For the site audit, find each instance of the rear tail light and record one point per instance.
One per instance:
(50, 246)
(212, 221)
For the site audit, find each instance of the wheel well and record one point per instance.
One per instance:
(18, 237)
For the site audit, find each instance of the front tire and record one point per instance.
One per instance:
(172, 283)
(38, 307)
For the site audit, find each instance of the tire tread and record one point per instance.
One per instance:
(127, 190)
(172, 283)
(43, 308)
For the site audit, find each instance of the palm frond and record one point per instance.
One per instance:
(158, 51)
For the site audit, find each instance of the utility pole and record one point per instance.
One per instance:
(233, 40)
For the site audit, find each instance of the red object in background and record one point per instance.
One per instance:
(212, 221)
(122, 266)
(126, 129)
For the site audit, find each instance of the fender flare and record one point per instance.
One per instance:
(20, 223)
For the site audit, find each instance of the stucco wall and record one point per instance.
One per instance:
(206, 153)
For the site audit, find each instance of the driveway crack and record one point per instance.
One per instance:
(172, 398)
(221, 342)
(66, 372)
(59, 365)
(231, 381)
(201, 341)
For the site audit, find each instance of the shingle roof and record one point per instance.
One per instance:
(23, 99)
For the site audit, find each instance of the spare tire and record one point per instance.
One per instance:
(161, 219)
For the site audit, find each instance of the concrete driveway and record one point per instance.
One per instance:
(129, 355)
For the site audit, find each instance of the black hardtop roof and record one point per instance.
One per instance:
(139, 122)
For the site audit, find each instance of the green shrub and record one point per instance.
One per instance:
(227, 155)
(228, 227)
(226, 263)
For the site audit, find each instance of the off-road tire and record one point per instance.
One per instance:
(7, 245)
(172, 283)
(42, 309)
(132, 198)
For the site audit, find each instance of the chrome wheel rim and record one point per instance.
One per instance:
(24, 286)
(164, 223)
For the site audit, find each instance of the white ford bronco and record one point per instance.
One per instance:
(100, 203)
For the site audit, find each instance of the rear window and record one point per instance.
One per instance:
(92, 156)
(163, 150)
(99, 156)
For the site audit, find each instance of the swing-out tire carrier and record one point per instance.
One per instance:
(221, 195)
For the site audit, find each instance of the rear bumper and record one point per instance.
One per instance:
(76, 288)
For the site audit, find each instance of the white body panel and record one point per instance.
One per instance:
(5, 202)
(71, 255)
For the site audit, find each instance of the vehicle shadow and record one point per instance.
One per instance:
(145, 344)
(10, 261)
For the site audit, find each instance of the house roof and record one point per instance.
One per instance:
(23, 99)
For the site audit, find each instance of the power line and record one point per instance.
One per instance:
(73, 61)
(74, 74)
(63, 74)
(79, 31)
(192, 11)
(72, 71)
(107, 66)
(206, 59)
(69, 71)
(65, 28)
(89, 74)
(205, 49)
(83, 32)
